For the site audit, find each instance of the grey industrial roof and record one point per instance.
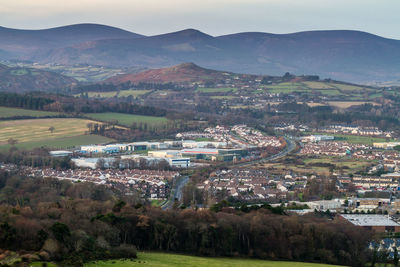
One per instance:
(370, 220)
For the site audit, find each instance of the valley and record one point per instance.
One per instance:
(189, 149)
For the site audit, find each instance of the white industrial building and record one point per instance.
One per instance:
(175, 162)
(164, 153)
(317, 138)
(60, 153)
(91, 162)
(203, 144)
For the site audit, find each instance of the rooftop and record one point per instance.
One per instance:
(370, 220)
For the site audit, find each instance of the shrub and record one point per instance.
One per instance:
(123, 251)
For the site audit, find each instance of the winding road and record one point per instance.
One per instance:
(180, 182)
(290, 146)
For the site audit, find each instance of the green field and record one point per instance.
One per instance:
(6, 112)
(325, 88)
(128, 119)
(307, 165)
(156, 202)
(62, 143)
(318, 85)
(348, 165)
(354, 139)
(222, 97)
(288, 88)
(216, 90)
(36, 133)
(346, 87)
(203, 139)
(81, 73)
(122, 93)
(155, 259)
(133, 93)
(19, 72)
(101, 94)
(39, 264)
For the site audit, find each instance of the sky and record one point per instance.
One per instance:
(215, 17)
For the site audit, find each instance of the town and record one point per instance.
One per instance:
(199, 133)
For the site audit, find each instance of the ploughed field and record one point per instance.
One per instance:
(66, 132)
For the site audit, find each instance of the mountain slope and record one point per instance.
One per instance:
(26, 79)
(28, 41)
(346, 55)
(343, 55)
(179, 74)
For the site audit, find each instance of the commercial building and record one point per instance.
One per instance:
(176, 162)
(203, 144)
(317, 138)
(215, 154)
(92, 162)
(60, 153)
(200, 153)
(370, 203)
(100, 149)
(164, 153)
(179, 162)
(376, 222)
(149, 145)
(323, 205)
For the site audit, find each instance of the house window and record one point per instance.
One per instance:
(389, 228)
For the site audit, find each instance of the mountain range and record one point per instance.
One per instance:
(343, 55)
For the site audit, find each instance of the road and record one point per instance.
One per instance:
(291, 145)
(176, 192)
(180, 182)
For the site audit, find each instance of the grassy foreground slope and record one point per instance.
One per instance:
(155, 259)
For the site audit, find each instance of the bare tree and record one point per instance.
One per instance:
(12, 141)
(100, 164)
(51, 129)
(90, 127)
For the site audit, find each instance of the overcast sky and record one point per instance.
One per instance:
(215, 17)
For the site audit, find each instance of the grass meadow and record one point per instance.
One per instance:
(128, 119)
(6, 112)
(156, 259)
(36, 133)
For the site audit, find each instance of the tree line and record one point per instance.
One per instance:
(69, 104)
(108, 87)
(28, 101)
(36, 158)
(71, 223)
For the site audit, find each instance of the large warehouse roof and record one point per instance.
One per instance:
(370, 220)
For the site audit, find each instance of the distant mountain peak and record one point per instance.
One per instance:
(186, 65)
(186, 34)
(182, 73)
(192, 32)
